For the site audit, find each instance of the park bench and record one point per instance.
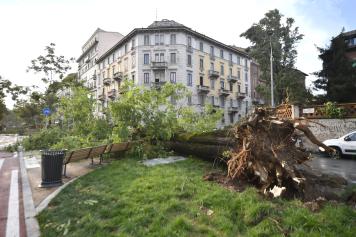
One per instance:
(92, 152)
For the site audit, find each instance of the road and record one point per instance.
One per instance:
(344, 167)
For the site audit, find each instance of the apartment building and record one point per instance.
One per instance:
(99, 43)
(169, 52)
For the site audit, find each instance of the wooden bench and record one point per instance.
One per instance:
(92, 152)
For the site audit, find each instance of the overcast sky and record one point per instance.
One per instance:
(27, 26)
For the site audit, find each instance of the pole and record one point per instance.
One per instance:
(272, 86)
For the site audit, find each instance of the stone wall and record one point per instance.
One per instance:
(334, 128)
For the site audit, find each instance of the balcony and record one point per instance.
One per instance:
(107, 81)
(231, 78)
(212, 57)
(240, 95)
(213, 74)
(101, 97)
(189, 49)
(232, 109)
(112, 93)
(93, 77)
(159, 65)
(118, 76)
(224, 92)
(203, 89)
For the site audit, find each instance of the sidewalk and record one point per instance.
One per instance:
(21, 198)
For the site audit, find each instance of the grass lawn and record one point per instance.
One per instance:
(129, 199)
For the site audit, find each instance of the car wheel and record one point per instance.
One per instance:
(337, 154)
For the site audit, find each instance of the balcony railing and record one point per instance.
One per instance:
(203, 89)
(107, 81)
(118, 76)
(224, 92)
(158, 65)
(213, 74)
(240, 95)
(232, 109)
(93, 77)
(112, 93)
(232, 78)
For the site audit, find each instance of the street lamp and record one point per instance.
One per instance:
(271, 62)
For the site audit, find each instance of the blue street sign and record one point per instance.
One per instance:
(46, 111)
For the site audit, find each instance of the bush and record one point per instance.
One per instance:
(43, 140)
(71, 142)
(332, 111)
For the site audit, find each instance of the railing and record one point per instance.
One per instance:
(224, 92)
(232, 109)
(118, 75)
(189, 49)
(112, 93)
(240, 95)
(107, 81)
(231, 78)
(202, 88)
(101, 97)
(213, 74)
(158, 65)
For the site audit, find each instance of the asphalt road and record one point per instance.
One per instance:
(345, 167)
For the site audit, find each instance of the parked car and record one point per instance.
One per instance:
(345, 145)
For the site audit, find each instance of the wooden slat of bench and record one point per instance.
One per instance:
(97, 151)
(119, 147)
(80, 154)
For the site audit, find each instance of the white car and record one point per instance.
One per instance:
(345, 145)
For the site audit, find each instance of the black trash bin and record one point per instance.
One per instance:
(52, 166)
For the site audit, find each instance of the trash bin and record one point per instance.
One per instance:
(52, 166)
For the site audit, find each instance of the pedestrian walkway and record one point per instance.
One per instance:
(12, 218)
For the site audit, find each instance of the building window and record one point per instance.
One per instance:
(146, 58)
(238, 60)
(173, 39)
(173, 58)
(201, 46)
(189, 99)
(212, 100)
(246, 90)
(222, 102)
(230, 58)
(212, 84)
(189, 60)
(189, 79)
(113, 70)
(161, 57)
(246, 76)
(221, 53)
(157, 39)
(133, 61)
(173, 77)
(146, 40)
(126, 65)
(133, 43)
(238, 88)
(231, 118)
(113, 57)
(146, 78)
(212, 66)
(201, 64)
(202, 100)
(230, 85)
(189, 41)
(238, 74)
(222, 84)
(125, 48)
(222, 69)
(211, 50)
(161, 38)
(230, 71)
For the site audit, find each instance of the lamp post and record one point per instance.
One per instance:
(270, 33)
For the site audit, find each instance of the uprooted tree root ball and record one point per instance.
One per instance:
(265, 155)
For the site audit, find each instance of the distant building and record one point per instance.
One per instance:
(350, 39)
(99, 43)
(169, 52)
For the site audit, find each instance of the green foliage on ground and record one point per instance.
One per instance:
(129, 199)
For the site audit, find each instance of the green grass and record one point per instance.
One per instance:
(129, 199)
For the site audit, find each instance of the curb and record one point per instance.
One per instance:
(32, 227)
(49, 198)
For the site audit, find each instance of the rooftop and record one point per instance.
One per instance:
(165, 23)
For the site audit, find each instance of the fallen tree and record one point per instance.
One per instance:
(262, 151)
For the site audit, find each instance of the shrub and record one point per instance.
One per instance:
(43, 140)
(332, 111)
